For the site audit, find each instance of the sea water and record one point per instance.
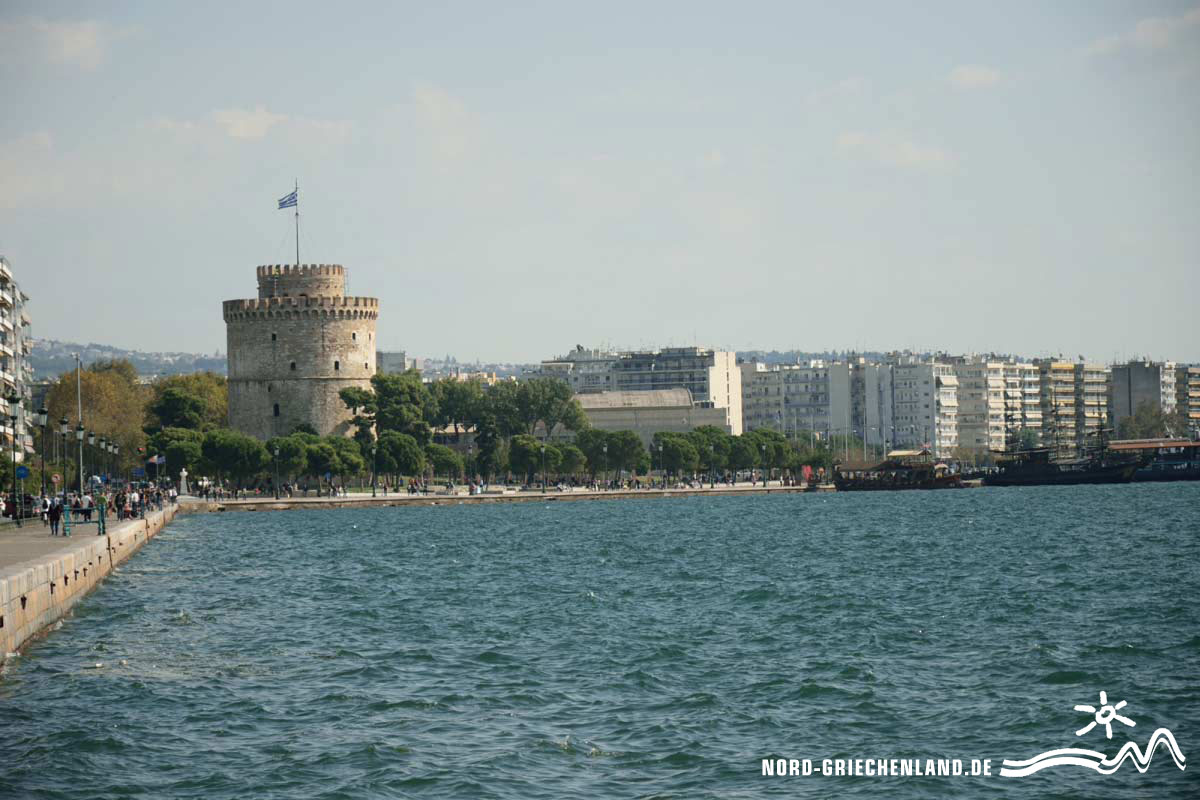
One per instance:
(640, 648)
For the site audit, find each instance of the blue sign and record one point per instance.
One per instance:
(139, 472)
(22, 471)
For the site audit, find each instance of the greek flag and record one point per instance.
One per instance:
(289, 200)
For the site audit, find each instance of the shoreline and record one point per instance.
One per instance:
(43, 577)
(365, 500)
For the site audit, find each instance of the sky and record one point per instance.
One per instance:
(513, 181)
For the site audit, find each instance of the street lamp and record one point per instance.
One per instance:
(374, 468)
(43, 416)
(14, 402)
(605, 448)
(543, 467)
(79, 433)
(766, 469)
(276, 454)
(64, 427)
(103, 456)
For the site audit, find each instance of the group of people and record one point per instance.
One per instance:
(123, 503)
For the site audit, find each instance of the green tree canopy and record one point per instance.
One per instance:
(400, 454)
(625, 450)
(525, 455)
(293, 455)
(677, 454)
(444, 461)
(234, 454)
(573, 459)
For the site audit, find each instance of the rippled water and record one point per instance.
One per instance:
(656, 648)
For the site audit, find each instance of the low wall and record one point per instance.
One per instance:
(35, 594)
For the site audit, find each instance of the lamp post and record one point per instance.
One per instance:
(79, 433)
(14, 402)
(103, 453)
(117, 458)
(374, 468)
(543, 467)
(43, 416)
(64, 427)
(605, 448)
(276, 484)
(766, 469)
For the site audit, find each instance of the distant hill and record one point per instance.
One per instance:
(51, 358)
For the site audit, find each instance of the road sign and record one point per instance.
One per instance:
(138, 472)
(56, 478)
(22, 472)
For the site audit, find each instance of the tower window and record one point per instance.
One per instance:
(277, 409)
(337, 365)
(354, 337)
(293, 366)
(273, 337)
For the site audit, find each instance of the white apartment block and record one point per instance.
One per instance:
(1187, 395)
(16, 371)
(925, 403)
(997, 399)
(788, 398)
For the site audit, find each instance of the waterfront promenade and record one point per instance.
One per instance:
(43, 576)
(508, 495)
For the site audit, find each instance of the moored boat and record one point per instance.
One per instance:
(903, 469)
(1037, 468)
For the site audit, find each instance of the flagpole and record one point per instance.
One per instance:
(297, 224)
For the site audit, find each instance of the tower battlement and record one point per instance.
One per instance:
(289, 280)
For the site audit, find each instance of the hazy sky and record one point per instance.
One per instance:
(512, 181)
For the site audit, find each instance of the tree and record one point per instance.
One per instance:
(744, 453)
(677, 454)
(525, 455)
(181, 446)
(550, 402)
(197, 400)
(1027, 439)
(713, 445)
(403, 404)
(350, 459)
(114, 405)
(400, 454)
(592, 442)
(293, 455)
(573, 459)
(503, 405)
(625, 450)
(234, 454)
(459, 403)
(1148, 421)
(444, 460)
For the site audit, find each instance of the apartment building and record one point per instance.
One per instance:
(998, 399)
(788, 398)
(1187, 395)
(925, 404)
(1138, 382)
(16, 371)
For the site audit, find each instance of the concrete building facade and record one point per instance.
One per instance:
(925, 400)
(788, 398)
(997, 400)
(1187, 395)
(16, 370)
(295, 347)
(711, 377)
(1140, 382)
(649, 412)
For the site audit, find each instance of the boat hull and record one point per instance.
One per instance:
(1117, 473)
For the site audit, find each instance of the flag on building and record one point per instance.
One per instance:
(289, 200)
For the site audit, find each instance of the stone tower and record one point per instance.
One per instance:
(295, 347)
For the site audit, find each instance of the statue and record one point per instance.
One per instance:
(183, 487)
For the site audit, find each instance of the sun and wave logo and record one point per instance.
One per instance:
(1103, 717)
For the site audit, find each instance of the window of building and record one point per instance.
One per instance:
(354, 336)
(337, 365)
(293, 366)
(273, 337)
(277, 409)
